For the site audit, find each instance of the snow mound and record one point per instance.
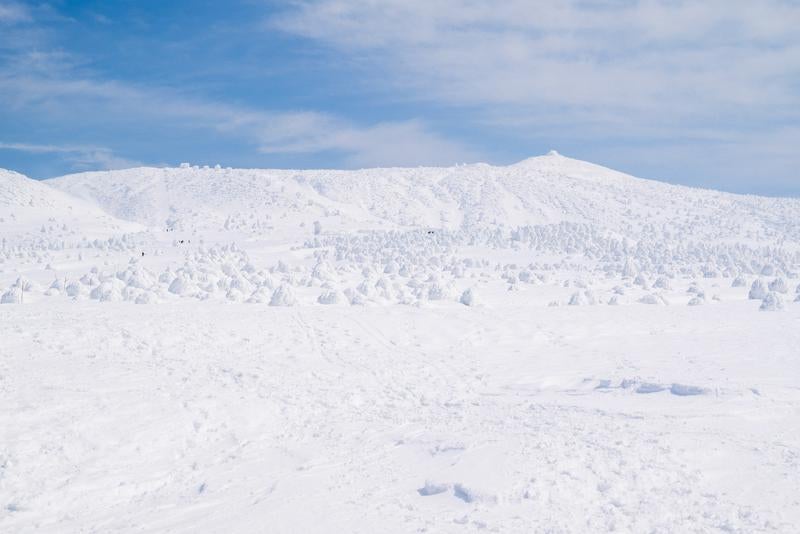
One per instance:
(772, 302)
(779, 285)
(12, 296)
(283, 296)
(653, 299)
(469, 297)
(757, 291)
(331, 297)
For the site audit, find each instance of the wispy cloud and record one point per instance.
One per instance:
(80, 157)
(38, 149)
(409, 142)
(41, 81)
(385, 143)
(641, 77)
(677, 56)
(12, 12)
(653, 86)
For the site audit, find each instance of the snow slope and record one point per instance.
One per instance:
(542, 216)
(30, 202)
(550, 346)
(542, 190)
(194, 418)
(38, 222)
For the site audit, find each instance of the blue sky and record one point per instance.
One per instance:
(703, 92)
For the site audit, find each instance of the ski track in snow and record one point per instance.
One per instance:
(545, 347)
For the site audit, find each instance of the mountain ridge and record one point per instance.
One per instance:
(547, 189)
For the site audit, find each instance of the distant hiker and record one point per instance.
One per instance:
(143, 254)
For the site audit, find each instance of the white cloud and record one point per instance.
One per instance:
(409, 142)
(80, 157)
(648, 79)
(697, 91)
(37, 149)
(382, 144)
(740, 162)
(39, 80)
(657, 58)
(11, 12)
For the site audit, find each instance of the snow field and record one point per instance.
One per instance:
(549, 346)
(398, 419)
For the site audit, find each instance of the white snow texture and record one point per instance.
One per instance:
(550, 346)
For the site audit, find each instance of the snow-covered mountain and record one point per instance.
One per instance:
(568, 214)
(33, 209)
(430, 227)
(543, 190)
(546, 346)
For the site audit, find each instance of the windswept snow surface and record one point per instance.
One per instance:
(550, 346)
(32, 212)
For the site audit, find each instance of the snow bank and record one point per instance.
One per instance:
(283, 296)
(772, 302)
